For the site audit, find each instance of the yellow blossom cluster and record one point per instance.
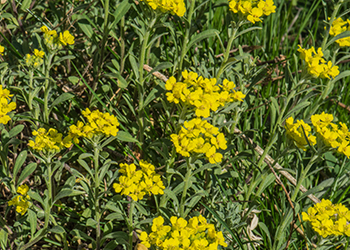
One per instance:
(328, 219)
(339, 26)
(317, 65)
(21, 201)
(138, 183)
(98, 124)
(176, 7)
(54, 41)
(296, 132)
(50, 141)
(195, 234)
(201, 93)
(2, 49)
(333, 135)
(36, 59)
(5, 106)
(200, 137)
(253, 10)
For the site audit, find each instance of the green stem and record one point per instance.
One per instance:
(144, 48)
(131, 224)
(97, 193)
(184, 192)
(227, 51)
(334, 14)
(122, 44)
(186, 38)
(140, 87)
(31, 89)
(302, 176)
(47, 87)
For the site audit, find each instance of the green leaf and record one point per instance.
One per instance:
(119, 12)
(280, 236)
(62, 98)
(125, 136)
(85, 166)
(337, 37)
(57, 230)
(19, 162)
(91, 223)
(63, 58)
(66, 193)
(141, 209)
(168, 193)
(86, 27)
(81, 235)
(149, 98)
(25, 4)
(122, 83)
(120, 236)
(3, 239)
(161, 66)
(29, 169)
(16, 130)
(35, 196)
(32, 222)
(199, 37)
(248, 30)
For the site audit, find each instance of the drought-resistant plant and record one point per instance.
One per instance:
(177, 124)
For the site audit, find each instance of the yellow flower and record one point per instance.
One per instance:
(176, 7)
(5, 106)
(194, 234)
(66, 38)
(2, 49)
(138, 183)
(21, 201)
(49, 141)
(316, 64)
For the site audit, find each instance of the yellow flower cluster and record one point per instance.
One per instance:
(253, 10)
(317, 65)
(333, 135)
(199, 137)
(138, 183)
(98, 124)
(176, 7)
(202, 93)
(296, 132)
(196, 234)
(54, 41)
(339, 26)
(329, 219)
(2, 49)
(5, 106)
(21, 201)
(50, 142)
(35, 60)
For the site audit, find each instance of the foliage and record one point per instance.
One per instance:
(170, 124)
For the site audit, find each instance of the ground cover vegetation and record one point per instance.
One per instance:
(174, 124)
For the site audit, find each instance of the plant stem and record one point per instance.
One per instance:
(97, 193)
(47, 88)
(186, 38)
(184, 192)
(326, 34)
(140, 87)
(47, 209)
(227, 51)
(302, 176)
(131, 224)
